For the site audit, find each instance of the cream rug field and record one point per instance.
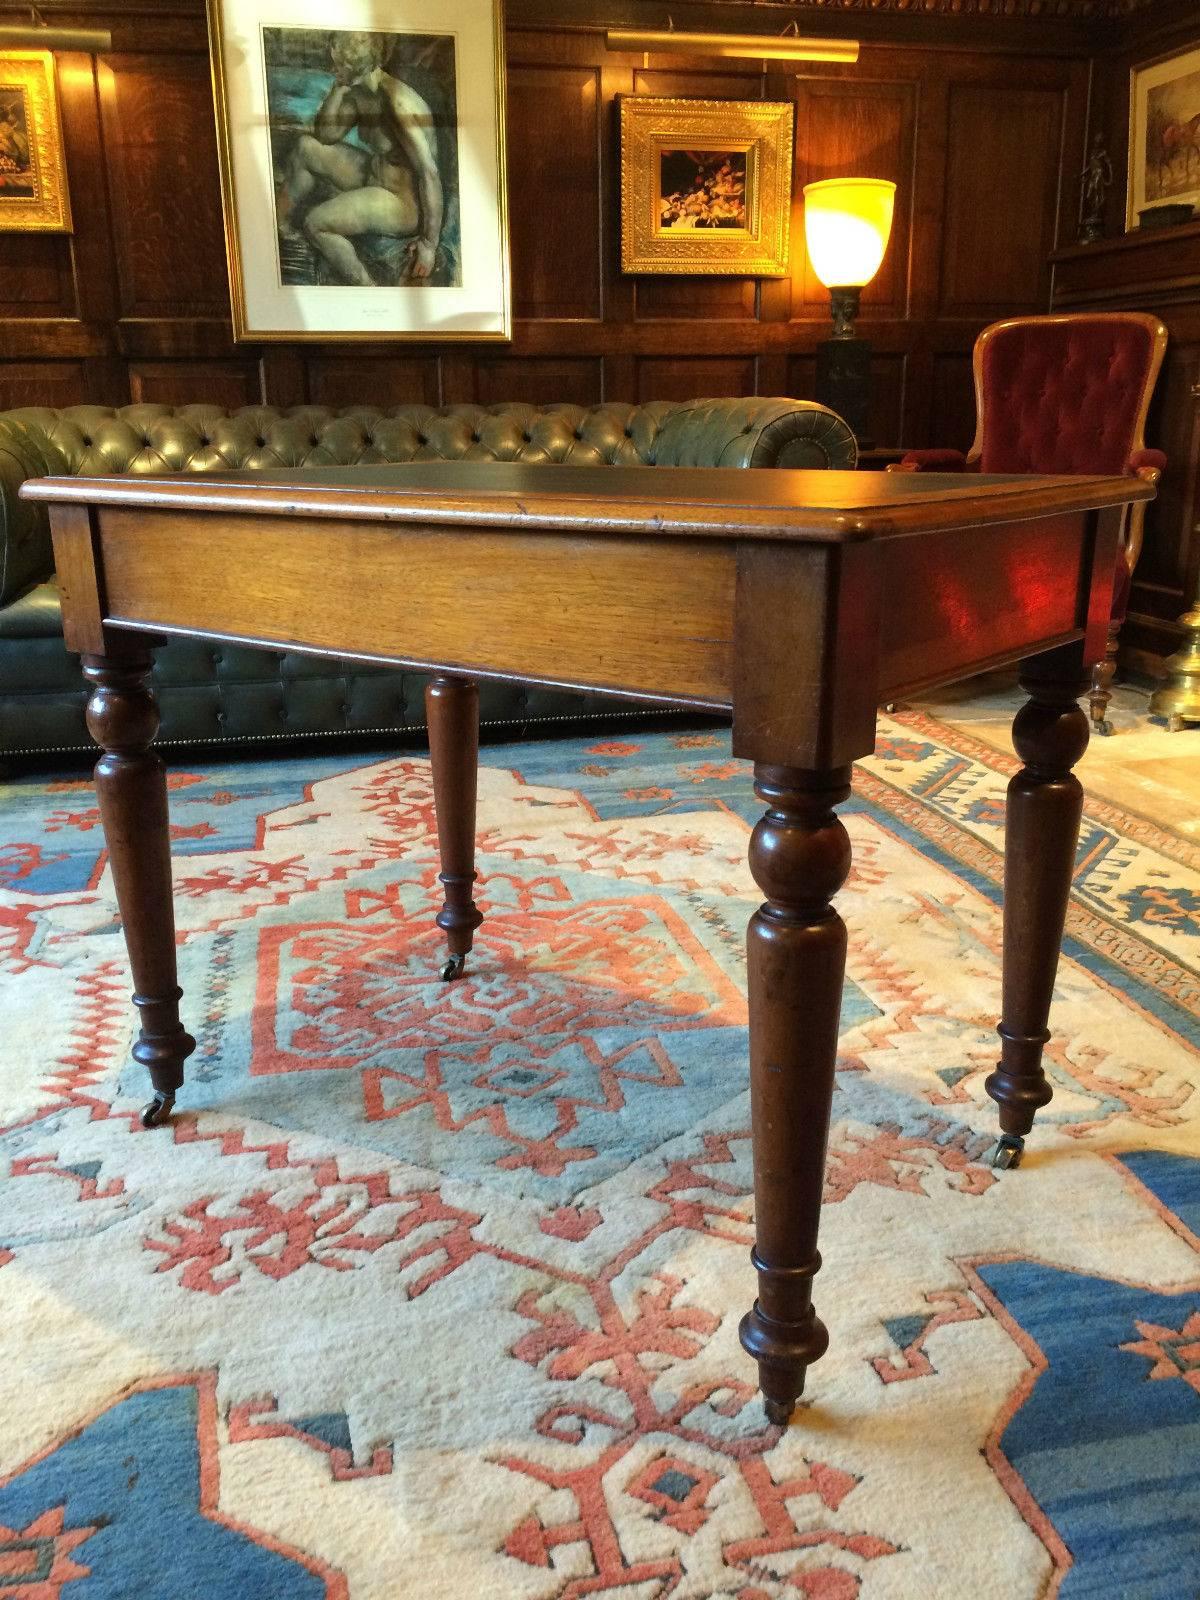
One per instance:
(432, 1290)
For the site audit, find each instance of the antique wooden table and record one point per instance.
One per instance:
(798, 600)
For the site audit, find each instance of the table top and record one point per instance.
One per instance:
(716, 502)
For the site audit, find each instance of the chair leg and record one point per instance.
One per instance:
(452, 712)
(1103, 674)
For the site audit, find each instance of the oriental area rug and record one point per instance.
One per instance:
(432, 1290)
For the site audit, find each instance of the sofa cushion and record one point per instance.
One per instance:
(36, 614)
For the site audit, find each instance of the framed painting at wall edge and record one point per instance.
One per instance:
(362, 169)
(33, 175)
(706, 185)
(1164, 133)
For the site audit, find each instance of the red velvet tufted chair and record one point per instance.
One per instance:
(1066, 394)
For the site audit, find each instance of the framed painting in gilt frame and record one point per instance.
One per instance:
(1164, 134)
(706, 185)
(362, 168)
(33, 176)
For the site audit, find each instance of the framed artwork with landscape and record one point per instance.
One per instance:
(362, 168)
(1164, 134)
(706, 185)
(33, 177)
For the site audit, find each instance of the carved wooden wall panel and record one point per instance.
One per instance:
(348, 378)
(181, 383)
(555, 132)
(844, 126)
(576, 381)
(161, 165)
(1158, 272)
(1001, 183)
(42, 383)
(134, 305)
(37, 280)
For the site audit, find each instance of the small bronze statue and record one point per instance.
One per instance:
(1097, 181)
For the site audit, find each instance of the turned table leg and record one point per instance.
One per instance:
(1045, 804)
(131, 789)
(796, 960)
(452, 712)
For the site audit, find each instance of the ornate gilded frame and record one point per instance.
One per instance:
(242, 328)
(762, 129)
(30, 73)
(1144, 77)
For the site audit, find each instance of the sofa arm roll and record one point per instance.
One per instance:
(755, 432)
(25, 553)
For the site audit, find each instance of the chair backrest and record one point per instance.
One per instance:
(1065, 393)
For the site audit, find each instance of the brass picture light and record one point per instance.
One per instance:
(755, 46)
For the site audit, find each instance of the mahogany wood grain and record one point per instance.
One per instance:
(1001, 188)
(798, 609)
(174, 383)
(452, 712)
(671, 502)
(934, 621)
(131, 790)
(160, 162)
(795, 598)
(340, 379)
(795, 965)
(1044, 808)
(606, 613)
(79, 584)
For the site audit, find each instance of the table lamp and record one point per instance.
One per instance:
(847, 222)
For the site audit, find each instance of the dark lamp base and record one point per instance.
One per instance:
(844, 382)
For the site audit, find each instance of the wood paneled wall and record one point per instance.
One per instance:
(1157, 272)
(133, 306)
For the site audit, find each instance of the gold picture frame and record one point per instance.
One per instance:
(706, 186)
(1164, 133)
(436, 267)
(33, 173)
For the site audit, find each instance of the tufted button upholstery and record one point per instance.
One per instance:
(230, 693)
(97, 441)
(1063, 396)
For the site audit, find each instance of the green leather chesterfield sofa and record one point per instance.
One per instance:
(223, 694)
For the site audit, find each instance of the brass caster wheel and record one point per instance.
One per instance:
(1175, 724)
(454, 968)
(1010, 1147)
(1103, 729)
(778, 1411)
(158, 1111)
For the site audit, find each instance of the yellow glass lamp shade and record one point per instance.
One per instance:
(847, 223)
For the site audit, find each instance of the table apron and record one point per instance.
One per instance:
(955, 604)
(647, 616)
(802, 640)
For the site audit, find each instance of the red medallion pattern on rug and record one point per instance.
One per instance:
(453, 1272)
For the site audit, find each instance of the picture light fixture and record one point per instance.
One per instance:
(756, 46)
(92, 41)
